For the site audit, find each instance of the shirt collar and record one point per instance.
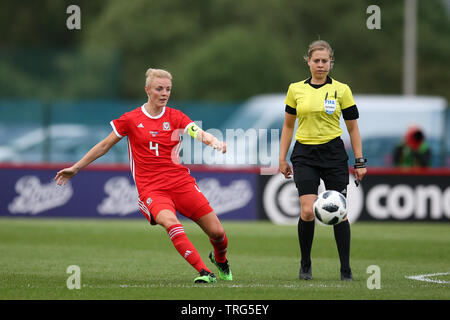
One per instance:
(308, 81)
(151, 117)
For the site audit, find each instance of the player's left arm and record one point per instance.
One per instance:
(355, 138)
(207, 138)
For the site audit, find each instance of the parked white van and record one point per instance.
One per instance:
(383, 121)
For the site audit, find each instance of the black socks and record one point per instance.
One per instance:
(305, 239)
(342, 236)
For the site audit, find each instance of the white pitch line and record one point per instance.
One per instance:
(425, 277)
(170, 285)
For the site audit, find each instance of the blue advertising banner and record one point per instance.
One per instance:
(109, 191)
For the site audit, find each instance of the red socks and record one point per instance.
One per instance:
(220, 248)
(185, 247)
(187, 250)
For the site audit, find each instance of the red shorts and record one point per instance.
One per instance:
(187, 199)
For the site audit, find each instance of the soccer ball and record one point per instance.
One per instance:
(330, 207)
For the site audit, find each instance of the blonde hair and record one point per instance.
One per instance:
(150, 74)
(319, 45)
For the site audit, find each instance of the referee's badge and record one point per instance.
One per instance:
(330, 106)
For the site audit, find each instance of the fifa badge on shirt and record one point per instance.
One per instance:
(166, 125)
(329, 104)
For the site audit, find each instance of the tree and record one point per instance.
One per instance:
(217, 49)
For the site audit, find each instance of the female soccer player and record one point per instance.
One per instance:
(163, 184)
(319, 151)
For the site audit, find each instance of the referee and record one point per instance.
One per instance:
(319, 151)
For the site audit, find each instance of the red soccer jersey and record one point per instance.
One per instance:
(153, 147)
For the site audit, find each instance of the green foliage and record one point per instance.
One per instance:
(220, 49)
(54, 74)
(235, 63)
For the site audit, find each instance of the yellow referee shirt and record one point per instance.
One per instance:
(318, 109)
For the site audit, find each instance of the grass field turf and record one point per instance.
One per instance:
(129, 259)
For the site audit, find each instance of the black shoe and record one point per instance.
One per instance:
(346, 275)
(305, 273)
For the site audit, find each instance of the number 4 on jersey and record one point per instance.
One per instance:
(154, 147)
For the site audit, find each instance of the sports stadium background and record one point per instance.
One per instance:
(232, 64)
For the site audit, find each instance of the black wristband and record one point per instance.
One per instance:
(360, 163)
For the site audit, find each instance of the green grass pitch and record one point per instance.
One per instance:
(129, 259)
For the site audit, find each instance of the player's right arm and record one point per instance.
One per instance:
(290, 116)
(285, 142)
(96, 152)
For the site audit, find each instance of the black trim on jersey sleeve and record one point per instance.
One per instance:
(350, 113)
(290, 110)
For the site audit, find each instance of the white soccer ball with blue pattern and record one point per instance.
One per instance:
(330, 207)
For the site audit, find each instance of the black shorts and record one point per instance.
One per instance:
(328, 161)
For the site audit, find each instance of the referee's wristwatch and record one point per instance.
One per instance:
(360, 163)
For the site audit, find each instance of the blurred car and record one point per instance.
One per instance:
(66, 143)
(383, 121)
(254, 130)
